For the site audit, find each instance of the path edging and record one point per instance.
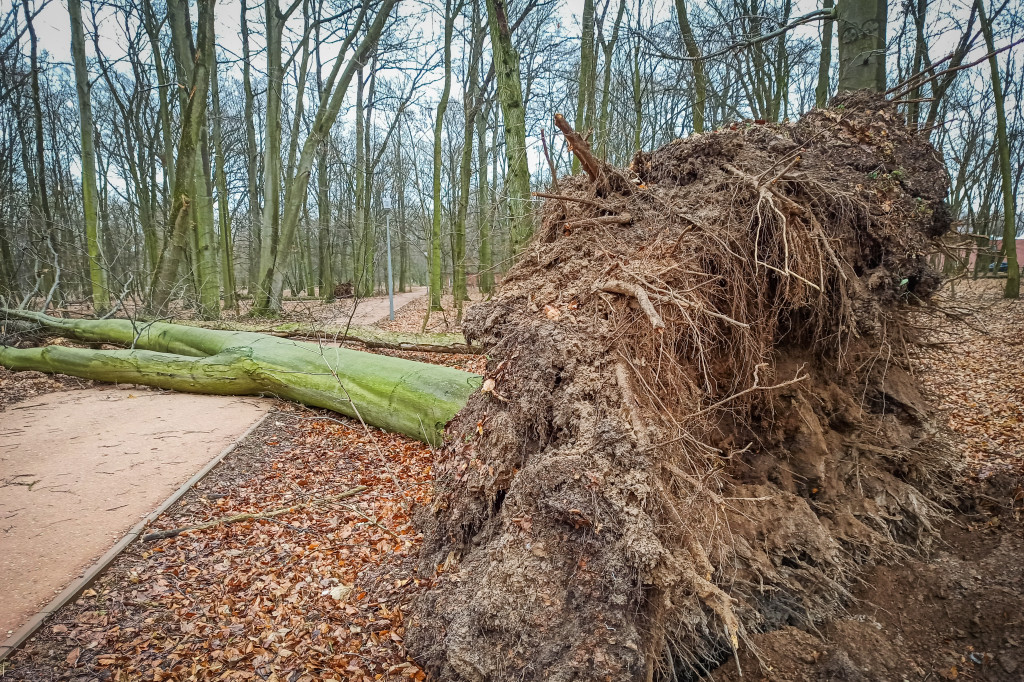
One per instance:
(14, 642)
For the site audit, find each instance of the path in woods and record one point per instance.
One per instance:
(370, 310)
(80, 468)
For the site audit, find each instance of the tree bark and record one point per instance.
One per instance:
(413, 398)
(861, 44)
(471, 108)
(485, 268)
(608, 49)
(252, 158)
(223, 214)
(585, 81)
(41, 198)
(700, 87)
(513, 111)
(97, 269)
(825, 62)
(1012, 289)
(442, 106)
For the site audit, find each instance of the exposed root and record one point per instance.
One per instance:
(617, 287)
(723, 456)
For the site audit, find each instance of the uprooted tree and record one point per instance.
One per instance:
(398, 395)
(697, 421)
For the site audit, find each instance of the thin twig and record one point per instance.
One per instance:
(578, 200)
(160, 535)
(798, 378)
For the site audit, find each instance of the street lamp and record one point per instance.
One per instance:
(386, 204)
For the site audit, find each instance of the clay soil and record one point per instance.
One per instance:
(957, 612)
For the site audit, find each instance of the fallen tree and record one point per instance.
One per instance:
(697, 421)
(412, 398)
(368, 337)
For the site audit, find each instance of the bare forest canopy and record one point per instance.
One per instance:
(177, 157)
(710, 222)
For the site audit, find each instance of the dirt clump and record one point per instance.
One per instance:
(697, 424)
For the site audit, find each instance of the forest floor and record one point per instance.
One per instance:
(322, 592)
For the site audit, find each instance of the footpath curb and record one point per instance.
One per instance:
(12, 643)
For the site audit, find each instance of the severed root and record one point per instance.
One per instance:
(626, 289)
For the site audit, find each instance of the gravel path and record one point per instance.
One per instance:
(370, 310)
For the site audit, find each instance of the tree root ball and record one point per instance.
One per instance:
(697, 421)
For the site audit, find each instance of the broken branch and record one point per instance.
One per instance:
(174, 532)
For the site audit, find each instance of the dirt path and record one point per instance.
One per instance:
(370, 310)
(79, 468)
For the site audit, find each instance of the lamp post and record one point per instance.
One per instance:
(386, 203)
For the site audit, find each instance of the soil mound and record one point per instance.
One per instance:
(697, 422)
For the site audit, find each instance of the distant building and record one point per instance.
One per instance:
(975, 253)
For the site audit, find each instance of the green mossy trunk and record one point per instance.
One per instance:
(412, 398)
(97, 269)
(513, 111)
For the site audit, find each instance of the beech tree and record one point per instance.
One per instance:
(97, 268)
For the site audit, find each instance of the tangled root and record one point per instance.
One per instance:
(701, 422)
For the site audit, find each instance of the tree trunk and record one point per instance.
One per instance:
(270, 219)
(323, 207)
(413, 398)
(919, 14)
(97, 269)
(470, 108)
(825, 62)
(152, 27)
(513, 111)
(700, 87)
(252, 158)
(442, 107)
(223, 214)
(206, 234)
(403, 239)
(638, 96)
(363, 253)
(1012, 289)
(41, 199)
(585, 81)
(861, 44)
(608, 49)
(485, 268)
(179, 219)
